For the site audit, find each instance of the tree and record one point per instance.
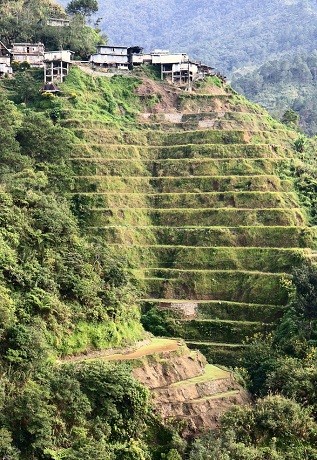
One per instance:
(299, 144)
(290, 118)
(82, 7)
(275, 428)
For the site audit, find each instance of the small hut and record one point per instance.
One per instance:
(50, 88)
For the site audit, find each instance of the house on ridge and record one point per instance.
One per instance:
(117, 57)
(33, 53)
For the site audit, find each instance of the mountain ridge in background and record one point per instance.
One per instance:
(228, 35)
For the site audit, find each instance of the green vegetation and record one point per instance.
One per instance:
(50, 274)
(283, 363)
(64, 293)
(92, 410)
(26, 21)
(275, 428)
(104, 217)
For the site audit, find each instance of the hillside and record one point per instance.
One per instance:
(126, 192)
(200, 196)
(227, 35)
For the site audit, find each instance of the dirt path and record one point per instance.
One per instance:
(144, 348)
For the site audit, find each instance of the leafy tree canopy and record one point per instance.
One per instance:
(83, 7)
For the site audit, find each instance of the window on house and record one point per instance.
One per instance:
(27, 49)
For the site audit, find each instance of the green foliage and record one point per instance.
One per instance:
(6, 448)
(290, 118)
(172, 455)
(275, 428)
(42, 140)
(284, 362)
(92, 409)
(160, 323)
(84, 7)
(26, 21)
(299, 144)
(51, 277)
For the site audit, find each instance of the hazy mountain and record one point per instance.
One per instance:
(228, 34)
(282, 84)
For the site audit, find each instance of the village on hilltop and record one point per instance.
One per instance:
(178, 68)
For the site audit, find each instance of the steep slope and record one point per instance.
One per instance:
(198, 196)
(186, 389)
(183, 386)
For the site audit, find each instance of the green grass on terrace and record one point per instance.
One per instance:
(211, 372)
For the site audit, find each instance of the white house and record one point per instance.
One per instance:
(111, 57)
(165, 57)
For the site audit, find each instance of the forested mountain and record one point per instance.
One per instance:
(280, 85)
(226, 34)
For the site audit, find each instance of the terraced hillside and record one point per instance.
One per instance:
(198, 195)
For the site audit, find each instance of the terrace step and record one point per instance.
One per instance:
(182, 385)
(220, 136)
(163, 138)
(178, 121)
(214, 330)
(192, 200)
(206, 216)
(204, 236)
(212, 383)
(258, 182)
(219, 285)
(102, 153)
(185, 168)
(216, 309)
(229, 354)
(197, 258)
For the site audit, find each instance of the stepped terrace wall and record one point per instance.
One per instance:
(201, 202)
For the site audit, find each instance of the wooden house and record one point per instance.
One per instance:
(57, 65)
(33, 53)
